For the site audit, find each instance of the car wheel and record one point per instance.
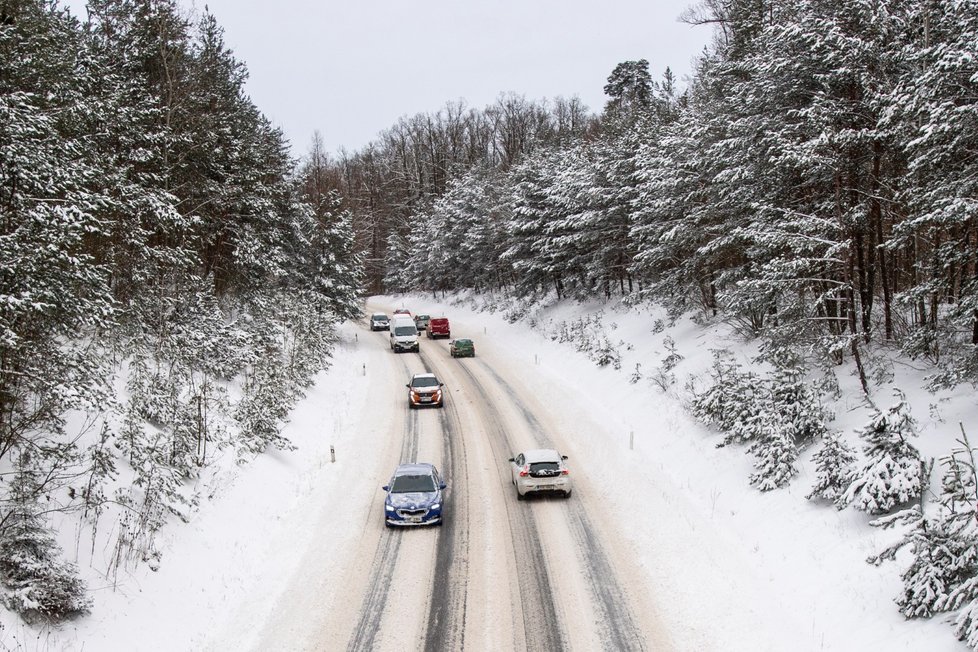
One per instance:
(520, 496)
(567, 493)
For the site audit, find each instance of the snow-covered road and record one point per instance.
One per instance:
(663, 545)
(500, 574)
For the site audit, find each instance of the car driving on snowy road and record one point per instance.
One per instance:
(540, 471)
(414, 496)
(424, 389)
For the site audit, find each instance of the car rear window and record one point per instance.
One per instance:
(544, 468)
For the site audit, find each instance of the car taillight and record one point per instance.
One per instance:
(565, 472)
(525, 471)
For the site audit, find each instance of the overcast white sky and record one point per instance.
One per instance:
(351, 68)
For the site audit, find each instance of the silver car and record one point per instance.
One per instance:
(540, 471)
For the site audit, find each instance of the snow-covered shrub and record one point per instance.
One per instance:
(673, 357)
(775, 453)
(943, 575)
(732, 402)
(40, 584)
(605, 353)
(834, 467)
(892, 472)
(796, 402)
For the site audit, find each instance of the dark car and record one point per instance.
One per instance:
(414, 496)
(439, 327)
(424, 389)
(379, 322)
(462, 347)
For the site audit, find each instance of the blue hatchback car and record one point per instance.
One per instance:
(414, 496)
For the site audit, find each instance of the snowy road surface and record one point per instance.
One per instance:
(663, 546)
(541, 574)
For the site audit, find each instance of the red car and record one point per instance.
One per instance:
(438, 327)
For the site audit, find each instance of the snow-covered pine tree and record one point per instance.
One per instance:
(733, 403)
(40, 583)
(774, 450)
(834, 468)
(891, 474)
(943, 575)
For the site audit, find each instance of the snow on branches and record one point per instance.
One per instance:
(891, 474)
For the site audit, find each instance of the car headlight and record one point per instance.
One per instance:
(389, 508)
(436, 506)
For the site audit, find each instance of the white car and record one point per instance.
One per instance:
(540, 471)
(404, 335)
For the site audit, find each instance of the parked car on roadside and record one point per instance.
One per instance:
(414, 496)
(439, 327)
(421, 321)
(404, 335)
(379, 322)
(462, 347)
(540, 471)
(425, 389)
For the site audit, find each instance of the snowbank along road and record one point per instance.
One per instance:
(541, 574)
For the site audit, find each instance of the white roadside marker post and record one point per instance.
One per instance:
(631, 440)
(332, 454)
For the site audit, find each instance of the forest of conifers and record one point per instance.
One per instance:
(156, 242)
(816, 181)
(170, 275)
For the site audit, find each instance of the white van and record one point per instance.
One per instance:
(404, 334)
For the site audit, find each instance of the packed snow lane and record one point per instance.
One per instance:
(543, 574)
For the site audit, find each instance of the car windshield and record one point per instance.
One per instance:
(425, 381)
(404, 484)
(379, 317)
(405, 330)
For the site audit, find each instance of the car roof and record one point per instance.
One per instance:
(379, 314)
(541, 455)
(415, 468)
(424, 375)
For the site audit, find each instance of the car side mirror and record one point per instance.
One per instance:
(386, 487)
(407, 384)
(563, 457)
(442, 485)
(512, 459)
(441, 384)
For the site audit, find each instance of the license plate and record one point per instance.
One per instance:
(415, 519)
(426, 399)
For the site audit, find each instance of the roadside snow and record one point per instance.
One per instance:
(790, 575)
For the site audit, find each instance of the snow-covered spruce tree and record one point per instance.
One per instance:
(40, 584)
(892, 472)
(732, 403)
(943, 575)
(834, 468)
(774, 450)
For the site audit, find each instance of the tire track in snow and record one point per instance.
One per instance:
(618, 621)
(542, 627)
(449, 595)
(385, 558)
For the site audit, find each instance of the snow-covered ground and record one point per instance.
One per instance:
(728, 568)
